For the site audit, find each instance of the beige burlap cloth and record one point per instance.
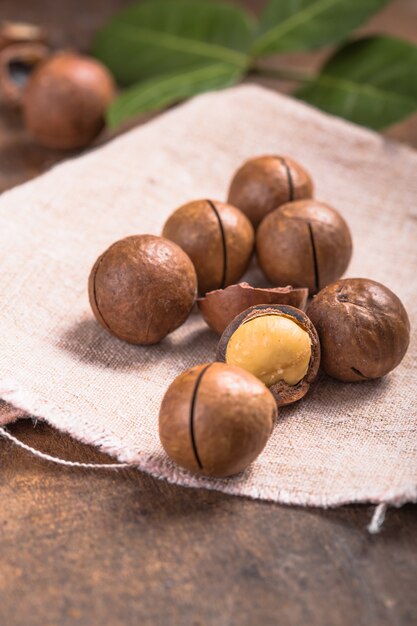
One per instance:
(344, 442)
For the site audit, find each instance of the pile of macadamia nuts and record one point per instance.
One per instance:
(63, 95)
(216, 418)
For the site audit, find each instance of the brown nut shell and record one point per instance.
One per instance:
(142, 288)
(65, 101)
(17, 62)
(283, 392)
(220, 307)
(12, 33)
(215, 419)
(305, 244)
(217, 237)
(264, 183)
(363, 327)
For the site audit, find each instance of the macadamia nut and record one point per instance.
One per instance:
(215, 419)
(363, 327)
(272, 347)
(142, 288)
(305, 244)
(278, 344)
(66, 99)
(217, 237)
(264, 183)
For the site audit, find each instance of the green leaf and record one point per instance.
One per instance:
(161, 36)
(288, 25)
(372, 81)
(156, 93)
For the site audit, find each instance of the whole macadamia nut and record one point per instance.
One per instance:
(65, 101)
(305, 244)
(363, 328)
(264, 183)
(215, 419)
(142, 288)
(276, 343)
(217, 237)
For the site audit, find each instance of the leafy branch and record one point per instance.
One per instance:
(165, 51)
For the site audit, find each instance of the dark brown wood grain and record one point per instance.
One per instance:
(120, 548)
(113, 548)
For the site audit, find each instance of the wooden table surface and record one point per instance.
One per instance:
(83, 547)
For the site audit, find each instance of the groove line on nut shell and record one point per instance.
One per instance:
(94, 283)
(223, 237)
(289, 179)
(95, 297)
(358, 373)
(192, 410)
(314, 253)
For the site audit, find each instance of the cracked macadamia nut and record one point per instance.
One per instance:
(142, 288)
(217, 237)
(65, 101)
(264, 183)
(17, 62)
(304, 244)
(215, 419)
(363, 328)
(276, 343)
(220, 307)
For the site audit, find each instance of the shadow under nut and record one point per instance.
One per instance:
(217, 237)
(216, 419)
(305, 243)
(363, 327)
(142, 288)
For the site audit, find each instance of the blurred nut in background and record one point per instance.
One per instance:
(363, 328)
(17, 62)
(276, 343)
(216, 419)
(217, 237)
(304, 244)
(66, 99)
(264, 183)
(220, 307)
(21, 32)
(142, 288)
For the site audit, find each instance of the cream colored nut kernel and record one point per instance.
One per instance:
(272, 347)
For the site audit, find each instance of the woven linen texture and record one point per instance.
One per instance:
(343, 442)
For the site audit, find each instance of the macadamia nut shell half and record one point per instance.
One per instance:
(220, 307)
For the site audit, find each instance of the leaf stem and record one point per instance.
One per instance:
(282, 73)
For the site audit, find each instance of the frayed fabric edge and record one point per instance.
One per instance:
(163, 469)
(374, 527)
